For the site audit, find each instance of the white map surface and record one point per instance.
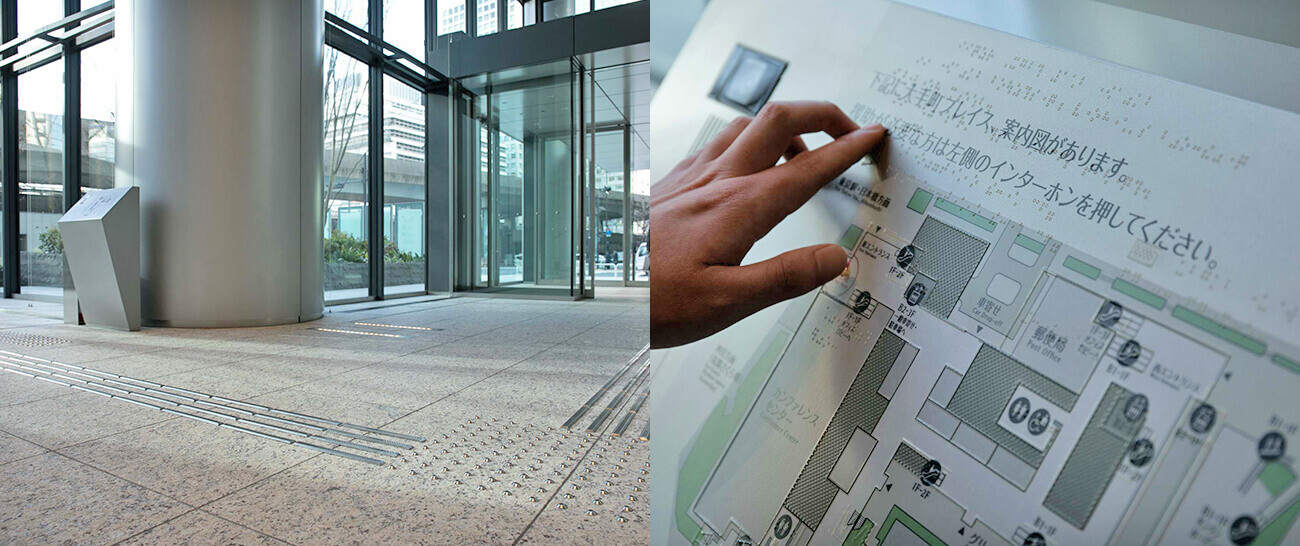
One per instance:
(1074, 373)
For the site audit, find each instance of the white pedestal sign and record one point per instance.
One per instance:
(101, 241)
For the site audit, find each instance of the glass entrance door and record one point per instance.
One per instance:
(521, 213)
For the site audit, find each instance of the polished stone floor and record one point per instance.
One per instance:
(487, 381)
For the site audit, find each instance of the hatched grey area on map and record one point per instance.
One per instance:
(987, 388)
(861, 408)
(1097, 455)
(949, 257)
(910, 458)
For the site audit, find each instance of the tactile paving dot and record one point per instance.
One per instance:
(604, 478)
(31, 340)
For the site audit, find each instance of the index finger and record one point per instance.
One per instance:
(775, 193)
(768, 137)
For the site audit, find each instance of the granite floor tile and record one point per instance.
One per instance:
(13, 448)
(320, 403)
(59, 422)
(488, 384)
(199, 528)
(18, 389)
(52, 499)
(188, 460)
(328, 500)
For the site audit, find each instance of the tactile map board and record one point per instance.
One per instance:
(1031, 344)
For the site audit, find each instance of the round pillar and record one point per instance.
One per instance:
(220, 127)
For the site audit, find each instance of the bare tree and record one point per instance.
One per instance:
(38, 128)
(640, 213)
(345, 93)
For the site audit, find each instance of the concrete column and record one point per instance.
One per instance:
(220, 127)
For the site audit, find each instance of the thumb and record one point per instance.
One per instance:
(787, 275)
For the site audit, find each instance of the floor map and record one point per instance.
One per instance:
(1032, 344)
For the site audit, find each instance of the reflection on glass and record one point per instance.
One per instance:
(487, 17)
(451, 16)
(554, 210)
(98, 117)
(347, 256)
(40, 180)
(352, 11)
(404, 26)
(602, 4)
(510, 209)
(515, 18)
(556, 9)
(482, 199)
(404, 181)
(639, 190)
(611, 257)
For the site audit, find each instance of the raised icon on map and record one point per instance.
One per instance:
(1243, 530)
(915, 294)
(1110, 314)
(1019, 410)
(1272, 446)
(931, 473)
(1141, 452)
(1202, 418)
(1035, 539)
(1135, 407)
(861, 301)
(783, 526)
(842, 284)
(1038, 421)
(906, 255)
(1129, 353)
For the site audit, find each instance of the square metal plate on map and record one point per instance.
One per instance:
(747, 80)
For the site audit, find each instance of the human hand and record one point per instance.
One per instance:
(714, 205)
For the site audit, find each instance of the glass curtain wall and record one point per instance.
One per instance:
(55, 163)
(619, 167)
(482, 195)
(638, 205)
(404, 26)
(509, 206)
(451, 16)
(98, 117)
(622, 192)
(486, 12)
(34, 14)
(556, 9)
(346, 187)
(356, 12)
(375, 172)
(584, 107)
(40, 180)
(40, 163)
(611, 254)
(404, 189)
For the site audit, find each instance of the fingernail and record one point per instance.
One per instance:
(831, 261)
(877, 128)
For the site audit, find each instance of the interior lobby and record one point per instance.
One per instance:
(324, 271)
